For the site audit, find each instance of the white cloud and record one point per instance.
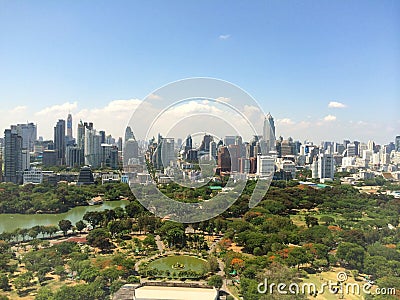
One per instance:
(18, 109)
(64, 108)
(335, 104)
(224, 36)
(112, 118)
(329, 118)
(285, 121)
(154, 97)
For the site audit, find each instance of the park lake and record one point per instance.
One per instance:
(10, 222)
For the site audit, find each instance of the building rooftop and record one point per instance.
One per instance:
(165, 293)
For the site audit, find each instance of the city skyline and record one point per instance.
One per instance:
(326, 72)
(117, 134)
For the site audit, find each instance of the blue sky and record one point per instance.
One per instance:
(294, 57)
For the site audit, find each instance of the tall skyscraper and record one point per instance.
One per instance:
(131, 151)
(128, 134)
(69, 127)
(188, 143)
(80, 139)
(28, 132)
(168, 151)
(102, 134)
(224, 160)
(205, 144)
(229, 140)
(213, 149)
(59, 141)
(13, 156)
(74, 156)
(269, 132)
(92, 147)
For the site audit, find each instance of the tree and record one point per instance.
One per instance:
(213, 263)
(23, 232)
(44, 293)
(4, 283)
(351, 254)
(65, 225)
(115, 286)
(150, 241)
(134, 209)
(298, 256)
(176, 237)
(80, 225)
(327, 220)
(93, 217)
(60, 271)
(215, 281)
(119, 212)
(50, 230)
(23, 281)
(89, 274)
(41, 273)
(311, 221)
(99, 238)
(33, 233)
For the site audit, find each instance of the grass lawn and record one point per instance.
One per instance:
(326, 277)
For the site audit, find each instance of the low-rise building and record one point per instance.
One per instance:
(34, 176)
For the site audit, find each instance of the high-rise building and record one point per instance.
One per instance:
(119, 143)
(269, 132)
(188, 143)
(168, 151)
(74, 156)
(213, 149)
(59, 141)
(49, 158)
(326, 166)
(69, 128)
(351, 150)
(131, 151)
(128, 134)
(345, 143)
(1, 162)
(92, 147)
(285, 148)
(80, 139)
(265, 165)
(357, 144)
(371, 145)
(109, 156)
(13, 161)
(244, 165)
(229, 140)
(397, 143)
(205, 144)
(102, 134)
(224, 159)
(361, 148)
(28, 132)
